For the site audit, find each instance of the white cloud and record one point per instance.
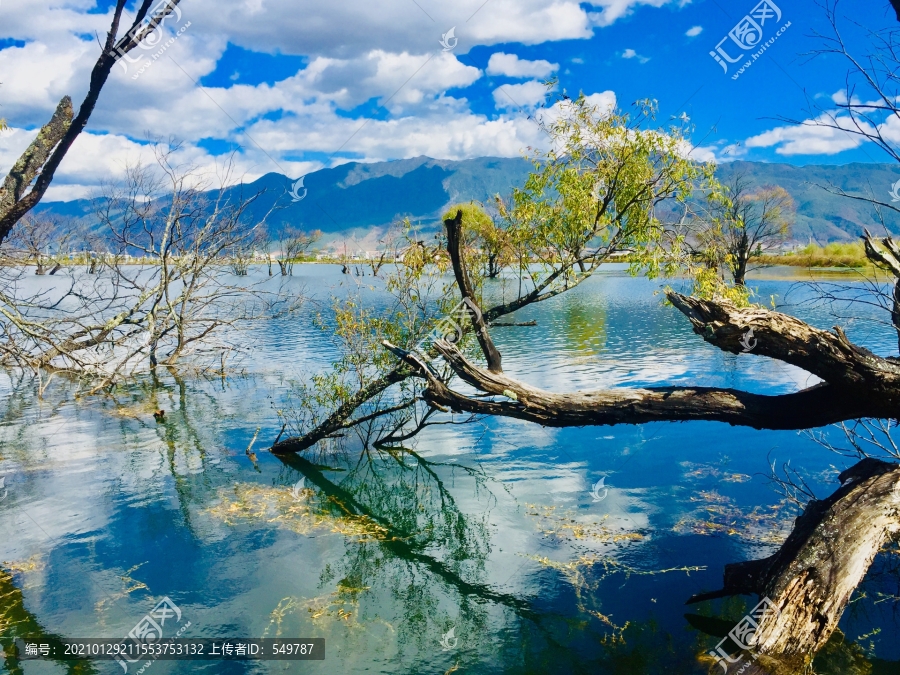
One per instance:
(511, 65)
(353, 27)
(613, 10)
(703, 154)
(812, 137)
(718, 154)
(341, 29)
(605, 100)
(519, 96)
(631, 54)
(694, 31)
(98, 158)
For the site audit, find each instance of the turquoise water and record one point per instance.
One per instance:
(493, 530)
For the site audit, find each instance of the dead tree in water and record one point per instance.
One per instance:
(294, 244)
(30, 243)
(180, 303)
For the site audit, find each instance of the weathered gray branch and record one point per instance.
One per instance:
(814, 407)
(29, 164)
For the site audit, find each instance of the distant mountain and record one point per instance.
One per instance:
(356, 198)
(823, 216)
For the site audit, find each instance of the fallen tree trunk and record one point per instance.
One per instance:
(810, 579)
(828, 355)
(816, 406)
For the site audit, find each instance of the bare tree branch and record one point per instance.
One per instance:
(36, 162)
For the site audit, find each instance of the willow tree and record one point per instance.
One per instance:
(594, 194)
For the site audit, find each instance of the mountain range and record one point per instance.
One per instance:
(358, 200)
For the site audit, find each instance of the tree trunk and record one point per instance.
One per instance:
(493, 267)
(740, 271)
(813, 407)
(857, 383)
(810, 579)
(886, 253)
(454, 248)
(29, 164)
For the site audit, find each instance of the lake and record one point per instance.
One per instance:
(495, 546)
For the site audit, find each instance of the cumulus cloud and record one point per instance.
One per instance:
(353, 27)
(694, 31)
(605, 100)
(356, 54)
(511, 65)
(720, 153)
(519, 96)
(812, 137)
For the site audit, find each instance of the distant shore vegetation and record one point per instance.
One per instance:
(850, 254)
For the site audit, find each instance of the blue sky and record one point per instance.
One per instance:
(294, 86)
